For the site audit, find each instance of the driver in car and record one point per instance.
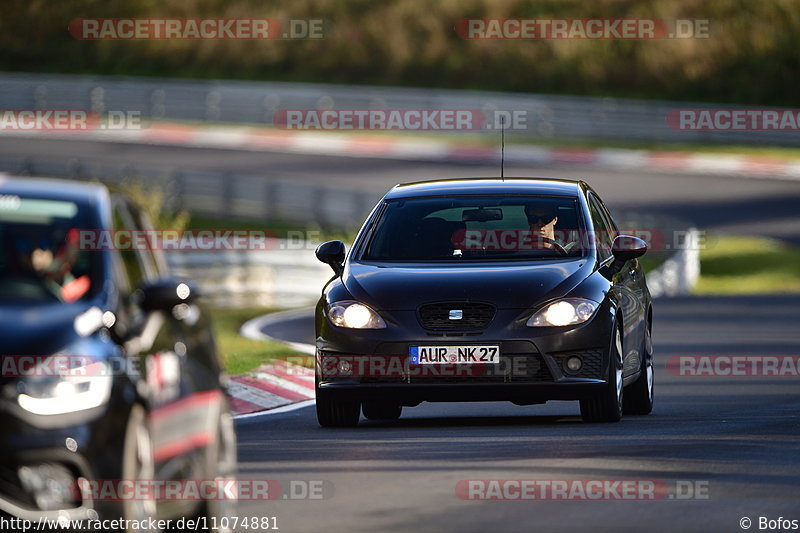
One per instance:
(55, 270)
(542, 218)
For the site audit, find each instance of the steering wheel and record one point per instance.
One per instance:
(555, 244)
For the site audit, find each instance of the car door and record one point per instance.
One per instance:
(201, 365)
(626, 285)
(637, 285)
(144, 333)
(182, 412)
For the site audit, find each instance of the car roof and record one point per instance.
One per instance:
(54, 189)
(467, 186)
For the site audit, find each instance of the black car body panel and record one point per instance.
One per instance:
(390, 287)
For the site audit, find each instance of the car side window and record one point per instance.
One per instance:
(154, 257)
(128, 269)
(138, 264)
(603, 230)
(607, 216)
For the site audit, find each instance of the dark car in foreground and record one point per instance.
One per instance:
(486, 289)
(110, 374)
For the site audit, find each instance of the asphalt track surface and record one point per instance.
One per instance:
(737, 437)
(734, 439)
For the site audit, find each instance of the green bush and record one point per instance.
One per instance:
(753, 55)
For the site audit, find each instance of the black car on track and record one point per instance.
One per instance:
(109, 366)
(485, 289)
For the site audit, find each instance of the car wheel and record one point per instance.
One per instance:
(607, 406)
(138, 464)
(381, 411)
(222, 468)
(639, 395)
(333, 412)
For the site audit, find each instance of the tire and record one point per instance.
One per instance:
(607, 406)
(381, 411)
(138, 464)
(221, 466)
(638, 399)
(333, 412)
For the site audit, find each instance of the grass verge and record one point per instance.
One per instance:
(240, 354)
(748, 265)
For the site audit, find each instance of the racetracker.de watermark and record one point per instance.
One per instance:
(500, 240)
(67, 120)
(543, 29)
(766, 366)
(400, 119)
(734, 119)
(195, 240)
(202, 489)
(470, 362)
(126, 29)
(580, 490)
(61, 365)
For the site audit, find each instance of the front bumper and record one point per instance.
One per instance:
(17, 503)
(532, 365)
(414, 394)
(35, 441)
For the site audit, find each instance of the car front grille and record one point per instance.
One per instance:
(437, 316)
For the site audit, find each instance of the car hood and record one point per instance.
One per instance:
(38, 330)
(507, 285)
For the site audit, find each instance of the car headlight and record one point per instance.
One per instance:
(355, 315)
(78, 389)
(566, 312)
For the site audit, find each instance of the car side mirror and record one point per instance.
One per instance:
(624, 248)
(332, 253)
(164, 294)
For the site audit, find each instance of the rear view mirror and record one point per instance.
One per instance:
(164, 294)
(332, 253)
(482, 214)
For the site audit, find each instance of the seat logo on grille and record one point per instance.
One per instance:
(455, 314)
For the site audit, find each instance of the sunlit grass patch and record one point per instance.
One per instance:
(748, 265)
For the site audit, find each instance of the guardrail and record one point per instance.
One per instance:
(221, 195)
(678, 273)
(289, 275)
(278, 278)
(295, 279)
(547, 116)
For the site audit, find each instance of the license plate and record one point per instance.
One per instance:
(447, 355)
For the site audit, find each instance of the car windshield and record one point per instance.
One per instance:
(40, 256)
(470, 228)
